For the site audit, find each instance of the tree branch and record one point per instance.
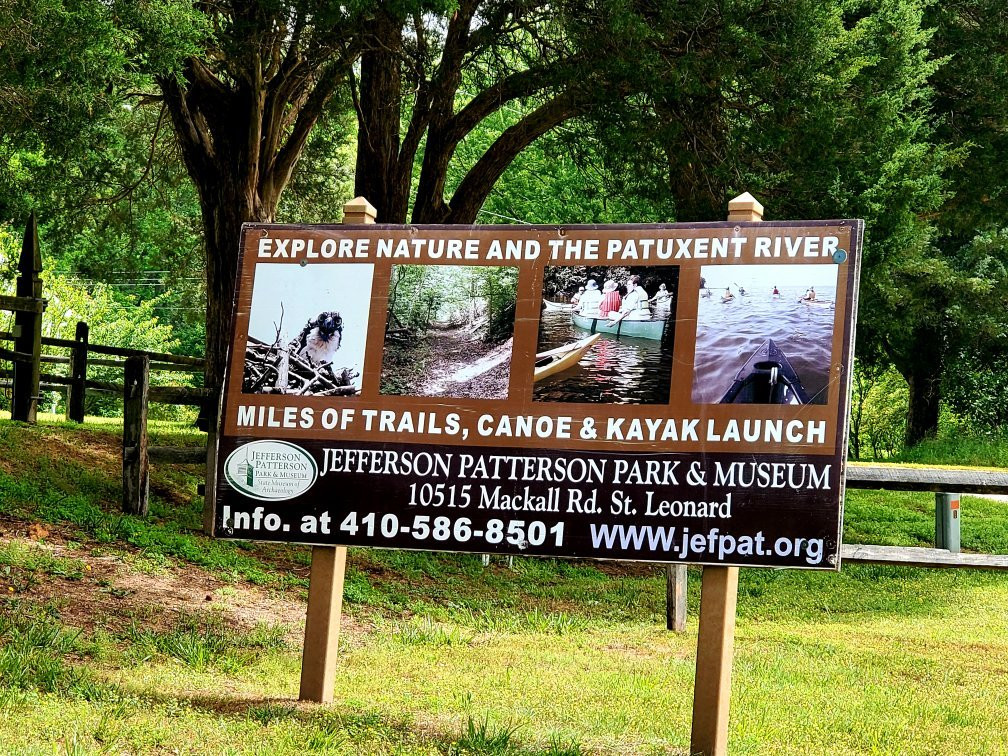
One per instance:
(273, 181)
(445, 134)
(435, 102)
(193, 138)
(128, 190)
(479, 181)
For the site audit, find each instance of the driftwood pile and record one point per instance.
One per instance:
(276, 369)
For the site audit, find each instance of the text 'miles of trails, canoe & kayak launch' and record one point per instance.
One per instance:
(666, 393)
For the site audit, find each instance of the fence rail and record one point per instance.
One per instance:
(26, 379)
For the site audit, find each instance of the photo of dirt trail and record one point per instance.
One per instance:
(449, 331)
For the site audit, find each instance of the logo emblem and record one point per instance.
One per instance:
(270, 470)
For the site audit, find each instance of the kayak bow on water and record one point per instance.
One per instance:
(567, 356)
(766, 378)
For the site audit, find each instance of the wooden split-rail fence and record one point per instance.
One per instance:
(26, 379)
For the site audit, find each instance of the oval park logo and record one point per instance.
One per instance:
(270, 470)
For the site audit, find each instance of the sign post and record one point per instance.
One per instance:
(947, 524)
(718, 596)
(328, 568)
(673, 393)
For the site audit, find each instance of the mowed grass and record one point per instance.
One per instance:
(440, 655)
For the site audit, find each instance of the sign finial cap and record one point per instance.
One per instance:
(359, 210)
(745, 207)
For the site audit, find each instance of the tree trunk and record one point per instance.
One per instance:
(377, 176)
(222, 221)
(925, 402)
(923, 373)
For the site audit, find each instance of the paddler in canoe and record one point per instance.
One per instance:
(562, 358)
(635, 303)
(590, 300)
(809, 294)
(662, 302)
(611, 299)
(727, 296)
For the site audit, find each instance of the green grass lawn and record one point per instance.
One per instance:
(122, 635)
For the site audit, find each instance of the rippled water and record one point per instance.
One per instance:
(728, 334)
(613, 371)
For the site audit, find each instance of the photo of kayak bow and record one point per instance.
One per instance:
(562, 358)
(766, 378)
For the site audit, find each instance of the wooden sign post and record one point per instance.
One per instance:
(718, 596)
(328, 567)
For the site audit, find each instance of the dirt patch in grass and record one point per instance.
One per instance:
(90, 449)
(113, 591)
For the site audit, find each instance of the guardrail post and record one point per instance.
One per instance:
(136, 468)
(325, 587)
(947, 521)
(28, 329)
(78, 374)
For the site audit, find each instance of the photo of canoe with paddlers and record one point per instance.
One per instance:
(307, 329)
(765, 335)
(450, 331)
(615, 332)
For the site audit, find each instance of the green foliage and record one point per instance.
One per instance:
(30, 561)
(204, 642)
(958, 448)
(428, 633)
(482, 297)
(322, 182)
(114, 320)
(482, 737)
(974, 380)
(883, 411)
(33, 654)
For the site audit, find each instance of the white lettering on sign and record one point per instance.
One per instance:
(305, 249)
(796, 246)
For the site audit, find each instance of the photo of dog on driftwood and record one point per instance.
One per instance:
(326, 355)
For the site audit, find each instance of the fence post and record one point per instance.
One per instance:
(211, 408)
(28, 329)
(718, 596)
(328, 565)
(78, 374)
(136, 469)
(675, 597)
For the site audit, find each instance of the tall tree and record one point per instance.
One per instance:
(816, 103)
(960, 291)
(841, 122)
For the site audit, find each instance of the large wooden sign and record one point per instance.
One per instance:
(672, 393)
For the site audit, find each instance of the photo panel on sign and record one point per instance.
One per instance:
(631, 310)
(765, 334)
(450, 331)
(307, 329)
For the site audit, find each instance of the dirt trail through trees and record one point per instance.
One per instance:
(462, 365)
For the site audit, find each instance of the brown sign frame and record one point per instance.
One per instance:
(807, 515)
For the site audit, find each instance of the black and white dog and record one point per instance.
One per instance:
(320, 339)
